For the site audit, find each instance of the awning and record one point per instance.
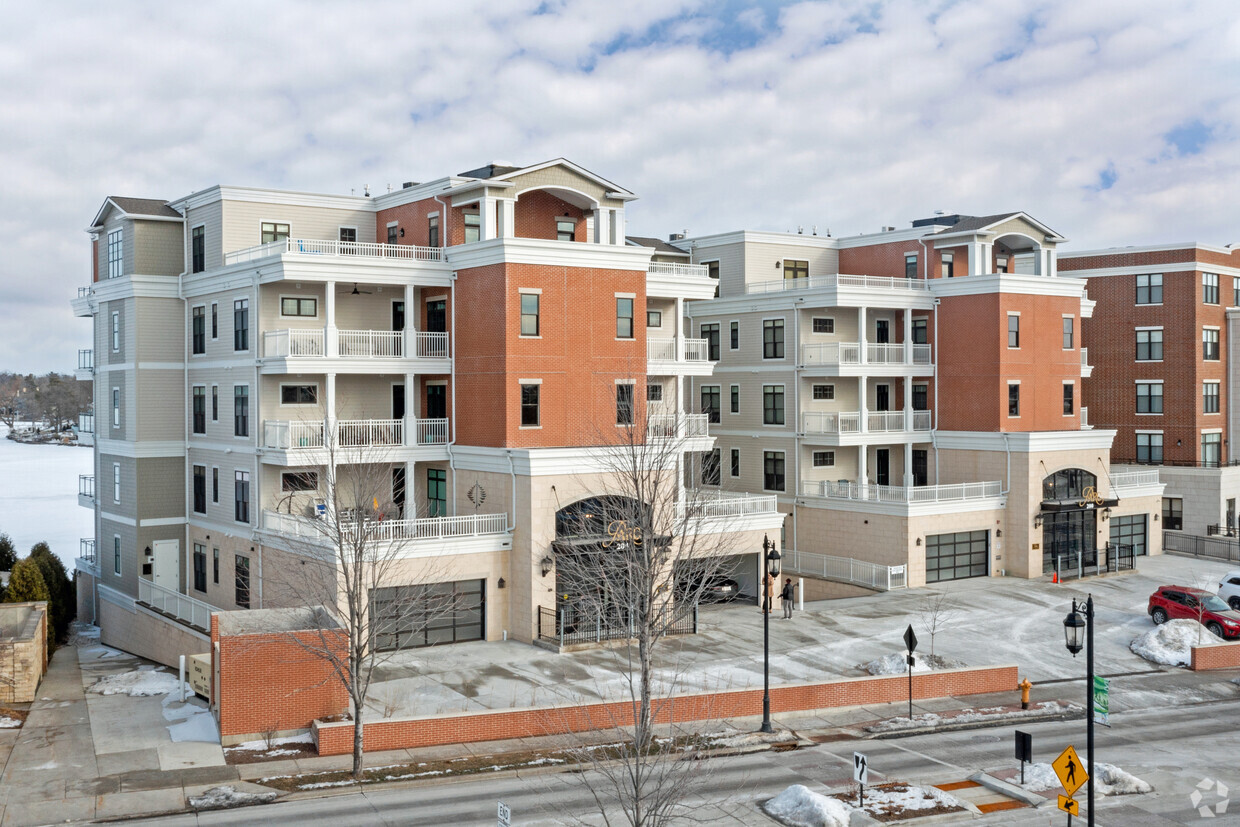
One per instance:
(1078, 505)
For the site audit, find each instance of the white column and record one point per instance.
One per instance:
(861, 337)
(617, 227)
(411, 505)
(329, 402)
(862, 457)
(329, 320)
(862, 398)
(979, 258)
(908, 464)
(409, 340)
(677, 333)
(411, 419)
(508, 220)
(602, 225)
(908, 342)
(488, 218)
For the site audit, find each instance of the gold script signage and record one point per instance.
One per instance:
(619, 531)
(1090, 497)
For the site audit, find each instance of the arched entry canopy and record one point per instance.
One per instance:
(600, 523)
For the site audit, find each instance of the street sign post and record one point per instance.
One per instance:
(910, 641)
(1024, 751)
(861, 774)
(1070, 771)
(503, 816)
(1102, 700)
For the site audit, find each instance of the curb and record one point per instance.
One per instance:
(947, 726)
(1010, 790)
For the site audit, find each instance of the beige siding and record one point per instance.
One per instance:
(366, 397)
(242, 222)
(160, 487)
(269, 308)
(159, 405)
(163, 330)
(731, 258)
(760, 259)
(158, 248)
(272, 408)
(556, 176)
(211, 217)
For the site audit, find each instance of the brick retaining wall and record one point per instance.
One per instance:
(1215, 656)
(465, 727)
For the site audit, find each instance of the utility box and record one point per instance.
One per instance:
(199, 668)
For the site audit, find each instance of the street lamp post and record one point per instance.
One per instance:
(1073, 626)
(770, 567)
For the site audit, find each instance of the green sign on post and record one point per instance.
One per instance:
(1102, 700)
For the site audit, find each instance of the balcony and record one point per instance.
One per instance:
(86, 560)
(352, 350)
(173, 604)
(858, 358)
(1085, 426)
(726, 511)
(679, 426)
(352, 434)
(85, 365)
(86, 490)
(664, 357)
(353, 250)
(470, 532)
(840, 281)
(1136, 483)
(1087, 369)
(81, 303)
(86, 429)
(686, 281)
(851, 428)
(848, 490)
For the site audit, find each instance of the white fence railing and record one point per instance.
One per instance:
(287, 435)
(318, 247)
(885, 421)
(849, 353)
(370, 433)
(421, 528)
(844, 569)
(670, 425)
(369, 343)
(660, 349)
(1133, 479)
(431, 345)
(885, 354)
(182, 607)
(729, 504)
(831, 422)
(841, 280)
(300, 343)
(293, 343)
(848, 490)
(353, 433)
(664, 268)
(431, 431)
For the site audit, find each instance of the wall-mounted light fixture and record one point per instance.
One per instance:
(547, 565)
(918, 541)
(998, 532)
(402, 232)
(1037, 520)
(501, 584)
(1106, 514)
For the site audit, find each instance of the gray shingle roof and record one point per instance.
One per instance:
(972, 223)
(144, 206)
(660, 246)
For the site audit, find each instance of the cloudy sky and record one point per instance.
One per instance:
(1113, 121)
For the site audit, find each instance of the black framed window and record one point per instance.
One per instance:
(432, 231)
(624, 403)
(654, 392)
(241, 324)
(295, 306)
(200, 567)
(734, 401)
(710, 332)
(299, 481)
(712, 271)
(1150, 345)
(565, 229)
(1209, 345)
(654, 318)
(241, 496)
(734, 335)
(198, 330)
(710, 467)
(1069, 399)
(215, 566)
(274, 231)
(1173, 513)
(299, 394)
(1149, 397)
(796, 269)
(241, 578)
(920, 398)
(199, 409)
(910, 265)
(772, 338)
(241, 410)
(1150, 448)
(1211, 449)
(736, 462)
(1013, 330)
(215, 321)
(772, 404)
(823, 324)
(947, 267)
(215, 485)
(1149, 289)
(1069, 325)
(529, 405)
(392, 234)
(198, 249)
(1209, 288)
(823, 392)
(1013, 400)
(200, 489)
(116, 255)
(710, 403)
(624, 318)
(773, 470)
(1209, 394)
(823, 459)
(529, 314)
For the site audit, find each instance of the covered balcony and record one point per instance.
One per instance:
(854, 427)
(461, 534)
(677, 356)
(315, 350)
(346, 250)
(351, 435)
(854, 358)
(1087, 370)
(900, 499)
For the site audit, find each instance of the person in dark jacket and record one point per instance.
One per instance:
(786, 597)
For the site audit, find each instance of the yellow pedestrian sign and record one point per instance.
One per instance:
(1070, 806)
(1070, 771)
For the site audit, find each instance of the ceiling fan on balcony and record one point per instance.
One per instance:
(354, 291)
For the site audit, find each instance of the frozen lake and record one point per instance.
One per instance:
(38, 496)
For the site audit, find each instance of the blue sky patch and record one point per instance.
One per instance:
(1189, 138)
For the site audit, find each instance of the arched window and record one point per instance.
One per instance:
(1068, 484)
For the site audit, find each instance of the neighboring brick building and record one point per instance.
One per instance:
(1160, 342)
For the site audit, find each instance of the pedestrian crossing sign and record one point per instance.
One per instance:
(1070, 771)
(1069, 805)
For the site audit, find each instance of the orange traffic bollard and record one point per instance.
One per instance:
(1024, 687)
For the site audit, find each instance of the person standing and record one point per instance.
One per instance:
(786, 597)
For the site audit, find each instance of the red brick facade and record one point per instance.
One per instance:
(1215, 656)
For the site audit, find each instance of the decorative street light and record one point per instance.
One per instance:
(770, 565)
(1078, 630)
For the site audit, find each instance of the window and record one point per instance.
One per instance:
(948, 267)
(1209, 344)
(1149, 448)
(1209, 392)
(654, 393)
(796, 269)
(241, 496)
(241, 410)
(773, 470)
(116, 267)
(736, 462)
(299, 481)
(1173, 513)
(1069, 398)
(348, 238)
(273, 231)
(910, 265)
(823, 325)
(735, 399)
(565, 229)
(200, 567)
(529, 314)
(215, 321)
(920, 398)
(116, 332)
(432, 230)
(215, 485)
(241, 579)
(1149, 397)
(529, 406)
(824, 459)
(710, 332)
(823, 392)
(921, 465)
(1209, 288)
(473, 227)
(299, 394)
(772, 338)
(772, 404)
(712, 271)
(624, 318)
(241, 324)
(436, 492)
(293, 306)
(198, 249)
(1068, 322)
(215, 403)
(624, 404)
(116, 482)
(393, 232)
(1013, 399)
(215, 566)
(654, 318)
(710, 403)
(1013, 330)
(198, 331)
(116, 555)
(1001, 264)
(710, 467)
(116, 407)
(1211, 449)
(1150, 289)
(1150, 345)
(734, 335)
(199, 409)
(920, 333)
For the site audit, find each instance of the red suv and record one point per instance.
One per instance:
(1175, 602)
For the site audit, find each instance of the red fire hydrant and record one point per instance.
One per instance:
(1024, 687)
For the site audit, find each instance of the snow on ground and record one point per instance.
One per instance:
(896, 798)
(799, 806)
(219, 798)
(895, 664)
(261, 744)
(1108, 780)
(38, 496)
(192, 720)
(1172, 643)
(137, 683)
(9, 723)
(967, 716)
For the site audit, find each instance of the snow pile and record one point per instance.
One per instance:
(895, 664)
(1172, 642)
(897, 798)
(221, 798)
(9, 723)
(969, 716)
(138, 683)
(1108, 780)
(192, 721)
(799, 806)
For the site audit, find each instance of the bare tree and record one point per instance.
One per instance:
(935, 612)
(355, 556)
(12, 386)
(641, 557)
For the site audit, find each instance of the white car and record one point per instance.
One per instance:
(1229, 589)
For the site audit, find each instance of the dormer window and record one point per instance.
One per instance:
(565, 229)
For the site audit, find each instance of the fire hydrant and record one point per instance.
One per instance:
(1024, 687)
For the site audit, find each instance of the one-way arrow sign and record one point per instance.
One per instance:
(861, 769)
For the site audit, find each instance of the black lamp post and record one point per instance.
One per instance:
(770, 565)
(1077, 625)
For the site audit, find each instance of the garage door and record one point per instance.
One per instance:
(743, 568)
(1129, 531)
(956, 556)
(425, 615)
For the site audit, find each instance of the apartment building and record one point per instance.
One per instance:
(913, 399)
(1161, 343)
(478, 337)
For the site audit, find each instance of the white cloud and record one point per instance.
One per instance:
(719, 115)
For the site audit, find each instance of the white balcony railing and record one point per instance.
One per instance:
(370, 343)
(849, 353)
(1085, 426)
(728, 504)
(86, 360)
(848, 490)
(317, 247)
(293, 343)
(288, 435)
(1133, 479)
(431, 431)
(922, 355)
(431, 345)
(670, 425)
(844, 569)
(182, 607)
(1084, 356)
(86, 485)
(922, 421)
(353, 433)
(885, 354)
(841, 280)
(421, 528)
(663, 268)
(659, 349)
(370, 433)
(849, 422)
(885, 421)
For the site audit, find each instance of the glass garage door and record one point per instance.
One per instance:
(430, 614)
(1129, 531)
(956, 556)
